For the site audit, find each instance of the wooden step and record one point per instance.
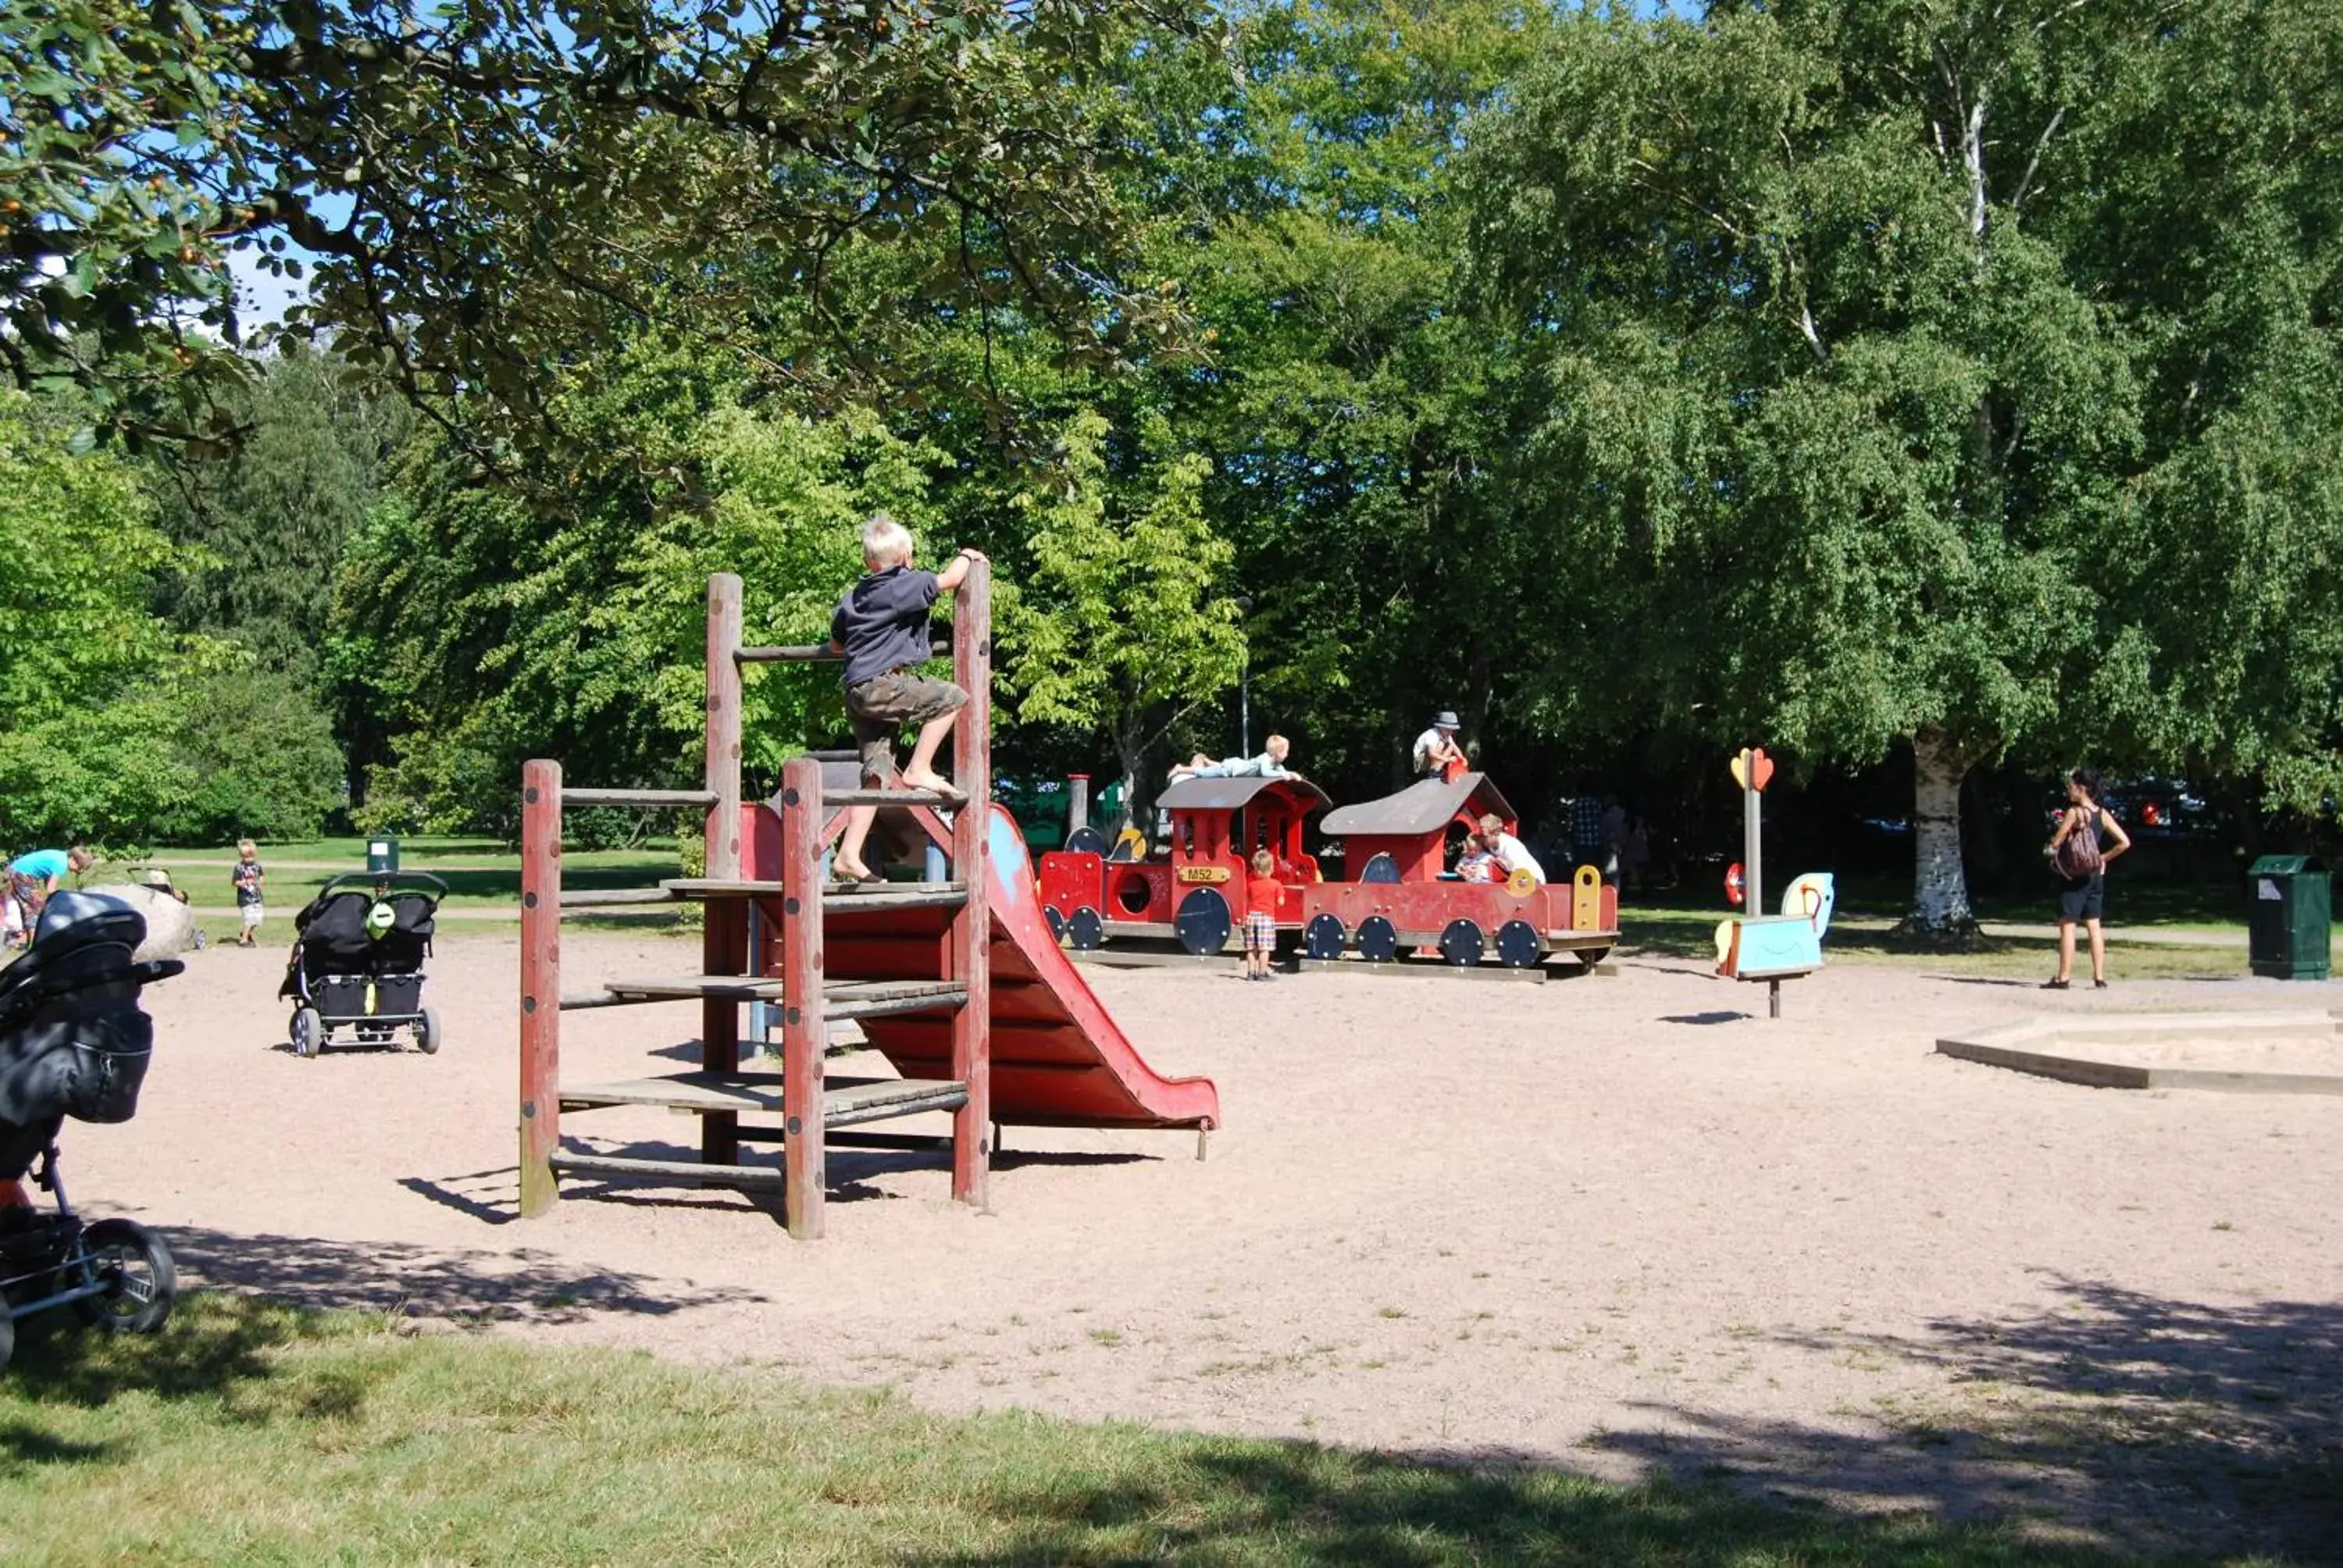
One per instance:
(832, 798)
(840, 998)
(836, 896)
(613, 898)
(874, 999)
(844, 1100)
(568, 1162)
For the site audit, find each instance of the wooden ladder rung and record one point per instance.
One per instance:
(567, 1162)
(845, 1100)
(841, 998)
(838, 896)
(875, 999)
(613, 898)
(835, 798)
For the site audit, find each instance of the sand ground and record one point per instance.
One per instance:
(1615, 1224)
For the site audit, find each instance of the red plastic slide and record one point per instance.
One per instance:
(1059, 1059)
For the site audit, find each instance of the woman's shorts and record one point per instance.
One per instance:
(1260, 933)
(885, 703)
(2082, 898)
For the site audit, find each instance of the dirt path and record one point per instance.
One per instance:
(1615, 1223)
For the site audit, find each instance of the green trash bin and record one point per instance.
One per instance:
(2289, 932)
(382, 854)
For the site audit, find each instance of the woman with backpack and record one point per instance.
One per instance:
(2079, 857)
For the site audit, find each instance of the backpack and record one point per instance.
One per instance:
(2078, 856)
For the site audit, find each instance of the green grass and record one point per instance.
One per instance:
(1691, 934)
(249, 1433)
(478, 871)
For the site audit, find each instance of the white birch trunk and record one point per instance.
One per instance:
(1940, 885)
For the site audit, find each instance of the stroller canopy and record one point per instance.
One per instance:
(72, 1040)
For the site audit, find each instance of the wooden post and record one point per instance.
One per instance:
(973, 926)
(540, 983)
(724, 728)
(804, 1036)
(724, 933)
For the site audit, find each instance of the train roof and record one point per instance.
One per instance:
(1229, 794)
(1426, 806)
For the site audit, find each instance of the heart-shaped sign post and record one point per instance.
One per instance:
(1752, 769)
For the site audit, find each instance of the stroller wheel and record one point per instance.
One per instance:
(140, 1279)
(426, 1033)
(7, 1335)
(201, 941)
(308, 1032)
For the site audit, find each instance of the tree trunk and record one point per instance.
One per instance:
(1940, 888)
(1131, 752)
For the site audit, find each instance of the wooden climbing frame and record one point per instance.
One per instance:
(790, 900)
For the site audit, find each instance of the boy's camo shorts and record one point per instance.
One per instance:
(884, 704)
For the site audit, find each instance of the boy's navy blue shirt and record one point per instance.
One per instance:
(882, 622)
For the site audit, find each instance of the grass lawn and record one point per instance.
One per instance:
(250, 1432)
(477, 871)
(1691, 934)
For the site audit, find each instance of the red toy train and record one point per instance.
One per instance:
(1394, 898)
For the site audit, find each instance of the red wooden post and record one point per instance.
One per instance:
(804, 1036)
(971, 928)
(540, 983)
(724, 727)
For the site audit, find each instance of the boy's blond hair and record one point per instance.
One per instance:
(246, 846)
(1492, 825)
(886, 542)
(1278, 746)
(1263, 862)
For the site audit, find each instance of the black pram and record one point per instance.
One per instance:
(358, 961)
(74, 1043)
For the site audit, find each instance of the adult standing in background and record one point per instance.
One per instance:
(2079, 857)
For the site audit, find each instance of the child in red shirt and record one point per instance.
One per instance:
(1263, 890)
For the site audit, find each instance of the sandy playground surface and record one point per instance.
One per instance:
(1615, 1223)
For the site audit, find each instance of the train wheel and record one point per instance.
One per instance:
(1323, 938)
(1590, 957)
(1518, 944)
(1378, 939)
(1057, 921)
(1086, 928)
(1461, 944)
(1203, 922)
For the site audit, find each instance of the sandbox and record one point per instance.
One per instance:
(2243, 1052)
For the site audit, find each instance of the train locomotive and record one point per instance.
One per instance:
(1394, 900)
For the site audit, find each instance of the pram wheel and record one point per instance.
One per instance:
(7, 1335)
(140, 1279)
(426, 1033)
(308, 1031)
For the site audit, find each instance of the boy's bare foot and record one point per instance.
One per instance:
(933, 783)
(842, 870)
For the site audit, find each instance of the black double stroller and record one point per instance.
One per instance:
(358, 960)
(74, 1043)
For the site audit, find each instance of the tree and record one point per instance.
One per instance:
(481, 631)
(268, 518)
(2205, 201)
(485, 190)
(1844, 434)
(1124, 620)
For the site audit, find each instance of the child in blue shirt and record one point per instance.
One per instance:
(881, 626)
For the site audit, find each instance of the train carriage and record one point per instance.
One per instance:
(1397, 898)
(1196, 892)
